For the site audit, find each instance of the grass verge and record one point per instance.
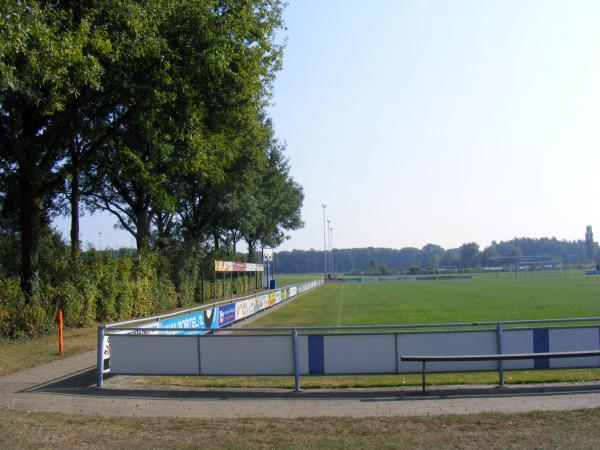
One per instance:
(565, 429)
(372, 381)
(23, 353)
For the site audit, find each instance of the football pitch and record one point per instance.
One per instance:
(481, 299)
(441, 301)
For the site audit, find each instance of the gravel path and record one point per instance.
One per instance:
(68, 386)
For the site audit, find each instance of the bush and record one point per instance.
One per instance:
(101, 285)
(21, 318)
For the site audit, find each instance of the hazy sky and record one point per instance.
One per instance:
(437, 121)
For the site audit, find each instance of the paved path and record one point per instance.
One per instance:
(67, 386)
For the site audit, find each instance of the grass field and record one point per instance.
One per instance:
(414, 302)
(23, 353)
(288, 280)
(565, 429)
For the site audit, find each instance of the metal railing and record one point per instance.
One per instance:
(498, 327)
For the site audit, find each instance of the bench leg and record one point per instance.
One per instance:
(423, 379)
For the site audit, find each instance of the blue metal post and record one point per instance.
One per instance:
(100, 358)
(500, 351)
(296, 351)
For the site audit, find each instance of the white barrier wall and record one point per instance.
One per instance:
(357, 353)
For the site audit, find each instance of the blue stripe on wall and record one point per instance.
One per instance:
(541, 344)
(316, 355)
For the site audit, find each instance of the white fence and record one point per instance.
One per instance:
(370, 352)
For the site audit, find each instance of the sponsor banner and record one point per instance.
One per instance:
(284, 293)
(251, 267)
(226, 314)
(278, 297)
(193, 320)
(264, 301)
(223, 266)
(211, 318)
(256, 304)
(267, 254)
(229, 266)
(293, 291)
(243, 309)
(106, 347)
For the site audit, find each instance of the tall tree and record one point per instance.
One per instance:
(278, 203)
(45, 62)
(198, 86)
(430, 255)
(470, 255)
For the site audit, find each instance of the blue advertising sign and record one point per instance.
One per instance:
(226, 314)
(193, 320)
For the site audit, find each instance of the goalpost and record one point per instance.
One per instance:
(444, 270)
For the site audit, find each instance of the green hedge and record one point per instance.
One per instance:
(108, 286)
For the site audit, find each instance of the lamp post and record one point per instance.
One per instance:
(331, 265)
(328, 247)
(324, 243)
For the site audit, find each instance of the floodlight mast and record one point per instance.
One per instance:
(324, 244)
(328, 249)
(331, 265)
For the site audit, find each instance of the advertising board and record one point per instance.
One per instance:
(226, 314)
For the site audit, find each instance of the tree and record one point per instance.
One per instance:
(430, 255)
(488, 255)
(46, 61)
(278, 203)
(589, 242)
(199, 79)
(469, 255)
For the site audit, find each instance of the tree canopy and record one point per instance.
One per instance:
(153, 111)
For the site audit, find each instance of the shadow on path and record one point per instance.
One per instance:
(82, 383)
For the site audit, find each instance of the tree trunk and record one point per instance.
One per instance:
(142, 235)
(30, 222)
(74, 200)
(251, 248)
(251, 251)
(216, 239)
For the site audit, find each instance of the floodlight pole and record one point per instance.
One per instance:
(331, 250)
(324, 243)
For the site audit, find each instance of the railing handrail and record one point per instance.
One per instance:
(372, 327)
(198, 308)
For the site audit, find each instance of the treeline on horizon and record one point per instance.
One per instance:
(384, 261)
(155, 112)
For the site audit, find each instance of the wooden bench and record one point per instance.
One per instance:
(499, 357)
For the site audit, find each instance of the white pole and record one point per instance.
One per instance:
(331, 250)
(324, 243)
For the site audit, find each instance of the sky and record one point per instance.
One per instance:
(422, 121)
